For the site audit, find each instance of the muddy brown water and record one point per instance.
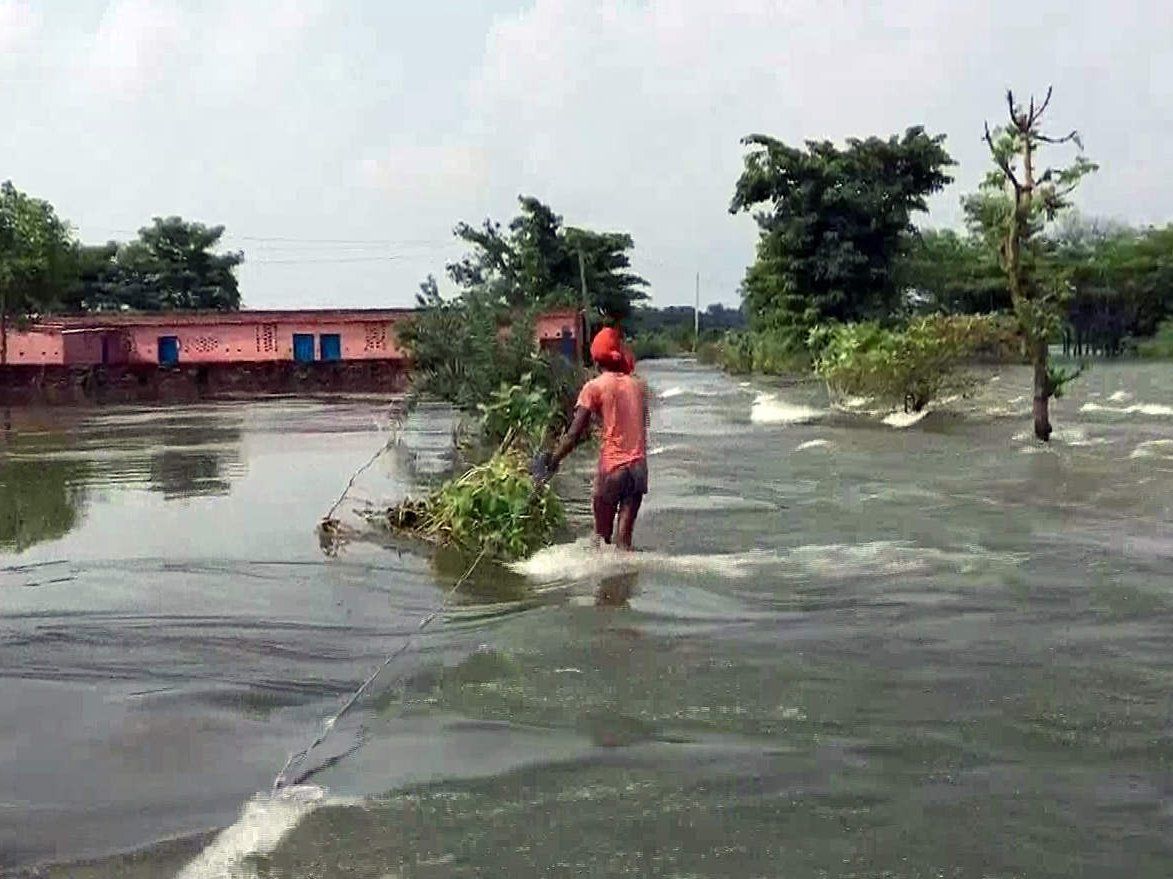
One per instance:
(847, 648)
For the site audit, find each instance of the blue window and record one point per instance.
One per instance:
(303, 347)
(168, 350)
(331, 346)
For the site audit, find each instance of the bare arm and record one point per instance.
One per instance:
(580, 425)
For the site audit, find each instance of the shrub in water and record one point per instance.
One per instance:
(908, 366)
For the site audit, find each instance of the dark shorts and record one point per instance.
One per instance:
(622, 484)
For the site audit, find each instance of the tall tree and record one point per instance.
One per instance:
(36, 258)
(173, 265)
(1016, 200)
(613, 290)
(535, 261)
(831, 223)
(97, 284)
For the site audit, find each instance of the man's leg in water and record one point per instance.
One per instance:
(628, 511)
(604, 509)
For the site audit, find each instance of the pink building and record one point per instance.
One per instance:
(203, 337)
(241, 337)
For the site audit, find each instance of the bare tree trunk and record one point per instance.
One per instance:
(1042, 392)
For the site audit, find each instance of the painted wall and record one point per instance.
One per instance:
(35, 347)
(232, 342)
(261, 342)
(551, 326)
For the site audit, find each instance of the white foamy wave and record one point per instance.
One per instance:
(1159, 448)
(1012, 407)
(884, 557)
(1120, 397)
(904, 419)
(1153, 409)
(677, 391)
(659, 450)
(768, 409)
(1077, 436)
(812, 444)
(262, 825)
(581, 560)
(854, 402)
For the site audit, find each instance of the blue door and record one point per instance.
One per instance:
(303, 347)
(331, 346)
(566, 344)
(168, 350)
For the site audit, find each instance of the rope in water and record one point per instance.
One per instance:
(399, 415)
(297, 758)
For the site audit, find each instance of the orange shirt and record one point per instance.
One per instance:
(621, 402)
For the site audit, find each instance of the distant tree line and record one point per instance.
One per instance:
(669, 331)
(837, 248)
(44, 269)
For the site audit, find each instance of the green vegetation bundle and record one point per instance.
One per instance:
(468, 355)
(494, 506)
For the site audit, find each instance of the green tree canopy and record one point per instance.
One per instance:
(832, 221)
(1120, 279)
(36, 258)
(535, 262)
(173, 265)
(943, 270)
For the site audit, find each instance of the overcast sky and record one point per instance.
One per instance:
(340, 142)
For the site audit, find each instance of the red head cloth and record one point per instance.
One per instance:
(607, 348)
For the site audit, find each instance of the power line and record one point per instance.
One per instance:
(291, 240)
(335, 260)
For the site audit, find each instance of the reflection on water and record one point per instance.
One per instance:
(39, 500)
(615, 591)
(846, 648)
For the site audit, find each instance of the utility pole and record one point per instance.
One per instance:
(696, 317)
(586, 308)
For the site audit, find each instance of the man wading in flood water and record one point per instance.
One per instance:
(620, 400)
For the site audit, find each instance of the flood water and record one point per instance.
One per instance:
(847, 649)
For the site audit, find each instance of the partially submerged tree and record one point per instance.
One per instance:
(1015, 201)
(832, 223)
(909, 366)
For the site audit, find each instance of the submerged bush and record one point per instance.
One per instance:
(762, 351)
(1160, 346)
(907, 366)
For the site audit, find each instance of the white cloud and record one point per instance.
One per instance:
(630, 114)
(19, 23)
(360, 119)
(426, 171)
(135, 43)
